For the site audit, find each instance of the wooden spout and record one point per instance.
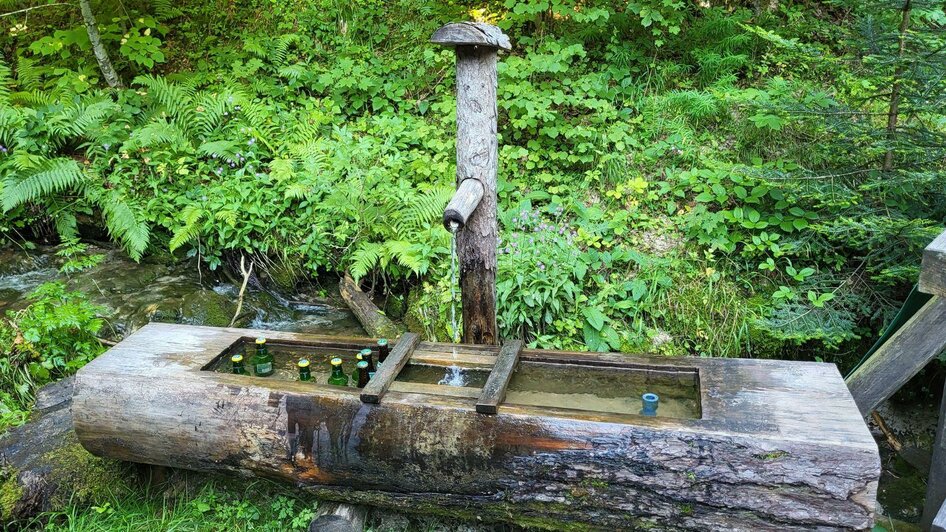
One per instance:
(464, 202)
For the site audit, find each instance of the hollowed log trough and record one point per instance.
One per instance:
(773, 445)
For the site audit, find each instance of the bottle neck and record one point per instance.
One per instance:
(337, 371)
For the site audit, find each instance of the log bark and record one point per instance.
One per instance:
(461, 206)
(478, 158)
(375, 323)
(777, 446)
(933, 267)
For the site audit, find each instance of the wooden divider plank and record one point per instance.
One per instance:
(495, 389)
(901, 357)
(393, 365)
(933, 268)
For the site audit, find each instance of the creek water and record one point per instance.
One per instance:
(133, 294)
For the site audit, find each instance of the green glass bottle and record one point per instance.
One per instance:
(383, 350)
(366, 356)
(362, 373)
(236, 363)
(262, 361)
(338, 377)
(304, 373)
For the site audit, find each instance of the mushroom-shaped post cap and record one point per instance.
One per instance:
(471, 34)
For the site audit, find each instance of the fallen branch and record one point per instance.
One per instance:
(891, 439)
(246, 279)
(375, 323)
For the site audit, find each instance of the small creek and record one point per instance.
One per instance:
(134, 294)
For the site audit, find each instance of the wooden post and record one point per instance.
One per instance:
(474, 218)
(933, 281)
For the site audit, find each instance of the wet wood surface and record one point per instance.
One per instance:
(777, 445)
(494, 391)
(393, 365)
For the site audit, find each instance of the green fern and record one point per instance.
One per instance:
(29, 73)
(54, 175)
(365, 257)
(125, 226)
(175, 98)
(6, 82)
(156, 134)
(191, 215)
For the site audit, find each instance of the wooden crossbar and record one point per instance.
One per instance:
(494, 391)
(389, 371)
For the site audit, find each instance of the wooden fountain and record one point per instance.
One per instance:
(763, 444)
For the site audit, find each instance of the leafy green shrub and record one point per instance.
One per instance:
(52, 337)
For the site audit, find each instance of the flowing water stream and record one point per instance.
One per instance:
(455, 376)
(133, 294)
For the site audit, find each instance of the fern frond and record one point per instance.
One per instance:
(156, 134)
(55, 175)
(66, 225)
(419, 211)
(280, 49)
(32, 98)
(224, 149)
(192, 215)
(125, 226)
(227, 216)
(165, 9)
(28, 73)
(366, 257)
(212, 110)
(175, 98)
(293, 72)
(77, 120)
(405, 253)
(6, 82)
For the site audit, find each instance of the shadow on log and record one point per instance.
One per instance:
(374, 322)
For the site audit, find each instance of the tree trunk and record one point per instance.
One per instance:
(477, 158)
(101, 55)
(893, 113)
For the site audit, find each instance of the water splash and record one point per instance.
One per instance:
(455, 375)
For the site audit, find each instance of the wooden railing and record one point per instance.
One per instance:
(901, 357)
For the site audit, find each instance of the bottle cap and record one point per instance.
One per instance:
(303, 363)
(363, 364)
(260, 341)
(236, 358)
(336, 361)
(359, 357)
(383, 341)
(365, 352)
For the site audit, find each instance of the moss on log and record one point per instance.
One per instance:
(42, 465)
